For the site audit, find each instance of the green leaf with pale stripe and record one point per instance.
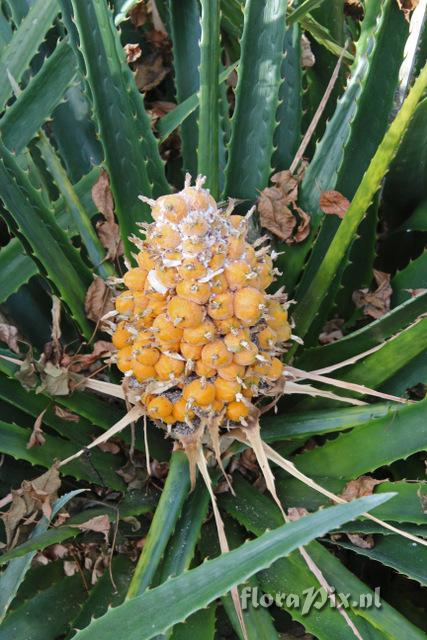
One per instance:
(257, 98)
(208, 118)
(35, 104)
(146, 615)
(404, 556)
(132, 157)
(21, 49)
(379, 442)
(185, 32)
(46, 241)
(165, 518)
(323, 278)
(16, 268)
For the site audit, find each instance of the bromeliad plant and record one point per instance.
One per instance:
(108, 236)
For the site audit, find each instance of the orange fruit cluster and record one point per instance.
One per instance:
(197, 336)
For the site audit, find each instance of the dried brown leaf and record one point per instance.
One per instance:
(363, 486)
(109, 235)
(150, 72)
(423, 499)
(82, 361)
(68, 416)
(407, 6)
(102, 196)
(375, 303)
(139, 14)
(27, 372)
(303, 229)
(70, 567)
(33, 498)
(364, 542)
(295, 513)
(37, 437)
(333, 202)
(275, 215)
(13, 517)
(9, 335)
(354, 8)
(132, 51)
(332, 331)
(100, 524)
(307, 56)
(109, 447)
(56, 381)
(98, 300)
(278, 210)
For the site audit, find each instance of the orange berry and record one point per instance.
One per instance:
(237, 340)
(180, 411)
(145, 260)
(226, 390)
(198, 292)
(221, 306)
(262, 367)
(237, 274)
(165, 331)
(275, 370)
(250, 256)
(284, 332)
(267, 338)
(199, 199)
(191, 269)
(219, 283)
(170, 419)
(236, 221)
(200, 335)
(147, 355)
(232, 372)
(135, 279)
(172, 207)
(156, 302)
(164, 236)
(202, 393)
(236, 247)
(226, 326)
(168, 276)
(217, 406)
(203, 371)
(237, 410)
(264, 270)
(184, 312)
(140, 302)
(217, 259)
(168, 368)
(216, 355)
(197, 227)
(142, 372)
(276, 316)
(159, 407)
(192, 246)
(190, 351)
(173, 347)
(248, 305)
(246, 357)
(144, 339)
(124, 359)
(124, 303)
(121, 336)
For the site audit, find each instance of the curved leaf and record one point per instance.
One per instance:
(146, 615)
(257, 97)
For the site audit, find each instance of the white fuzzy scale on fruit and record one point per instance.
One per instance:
(197, 336)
